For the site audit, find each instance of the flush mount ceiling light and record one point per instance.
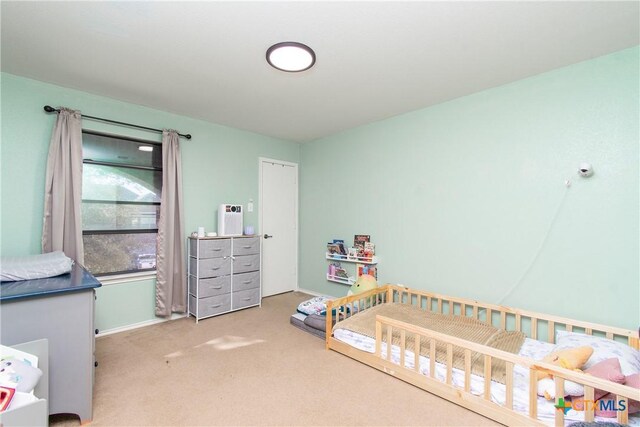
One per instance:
(291, 57)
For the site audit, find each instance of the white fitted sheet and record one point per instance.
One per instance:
(530, 348)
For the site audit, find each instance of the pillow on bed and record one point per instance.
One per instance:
(607, 369)
(603, 349)
(315, 305)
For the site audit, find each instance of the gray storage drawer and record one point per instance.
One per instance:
(211, 305)
(244, 263)
(210, 248)
(244, 281)
(210, 287)
(211, 267)
(246, 246)
(245, 298)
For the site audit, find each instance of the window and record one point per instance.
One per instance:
(121, 192)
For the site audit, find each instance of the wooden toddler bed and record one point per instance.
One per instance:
(450, 356)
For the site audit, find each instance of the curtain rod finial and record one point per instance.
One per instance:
(188, 136)
(49, 109)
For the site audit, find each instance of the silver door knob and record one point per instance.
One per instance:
(266, 236)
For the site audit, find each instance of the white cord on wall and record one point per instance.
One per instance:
(567, 184)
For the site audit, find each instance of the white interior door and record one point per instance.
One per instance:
(279, 226)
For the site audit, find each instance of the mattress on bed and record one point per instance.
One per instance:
(530, 348)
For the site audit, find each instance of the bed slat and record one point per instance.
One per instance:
(432, 358)
(416, 352)
(487, 377)
(389, 341)
(378, 338)
(503, 320)
(559, 382)
(475, 311)
(588, 407)
(509, 384)
(449, 363)
(403, 346)
(440, 305)
(463, 309)
(467, 370)
(489, 320)
(518, 322)
(622, 416)
(551, 332)
(534, 328)
(533, 393)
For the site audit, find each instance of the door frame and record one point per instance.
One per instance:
(261, 161)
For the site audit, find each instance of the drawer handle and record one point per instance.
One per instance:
(216, 306)
(246, 299)
(247, 247)
(246, 282)
(216, 249)
(247, 265)
(215, 268)
(216, 287)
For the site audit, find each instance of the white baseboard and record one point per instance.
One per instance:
(314, 293)
(140, 324)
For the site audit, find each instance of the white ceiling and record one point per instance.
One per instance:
(374, 59)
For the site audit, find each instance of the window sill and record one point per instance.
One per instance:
(126, 278)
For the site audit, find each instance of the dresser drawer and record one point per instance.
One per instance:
(210, 306)
(210, 287)
(244, 281)
(210, 267)
(244, 263)
(245, 298)
(246, 246)
(210, 248)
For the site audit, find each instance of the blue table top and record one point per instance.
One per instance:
(76, 280)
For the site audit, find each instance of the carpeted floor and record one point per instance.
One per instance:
(249, 368)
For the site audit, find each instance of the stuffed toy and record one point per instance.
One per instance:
(570, 358)
(25, 376)
(364, 283)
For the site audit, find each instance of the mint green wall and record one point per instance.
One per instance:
(459, 197)
(220, 165)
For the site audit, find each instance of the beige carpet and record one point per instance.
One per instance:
(249, 368)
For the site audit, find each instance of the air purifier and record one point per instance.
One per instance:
(230, 220)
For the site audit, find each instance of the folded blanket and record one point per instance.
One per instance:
(34, 266)
(465, 328)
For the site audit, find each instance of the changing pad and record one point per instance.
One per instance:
(34, 266)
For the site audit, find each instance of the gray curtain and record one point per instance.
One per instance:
(62, 223)
(171, 285)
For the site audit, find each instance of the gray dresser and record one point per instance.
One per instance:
(223, 274)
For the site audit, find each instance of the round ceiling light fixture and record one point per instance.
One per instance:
(291, 57)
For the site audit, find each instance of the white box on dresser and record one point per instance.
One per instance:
(223, 274)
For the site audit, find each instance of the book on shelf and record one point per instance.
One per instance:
(333, 249)
(368, 269)
(341, 246)
(358, 242)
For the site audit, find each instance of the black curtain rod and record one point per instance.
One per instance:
(50, 109)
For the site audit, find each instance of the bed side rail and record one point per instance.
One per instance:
(342, 308)
(386, 326)
(538, 326)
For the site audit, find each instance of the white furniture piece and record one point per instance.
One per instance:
(358, 261)
(223, 274)
(60, 309)
(36, 412)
